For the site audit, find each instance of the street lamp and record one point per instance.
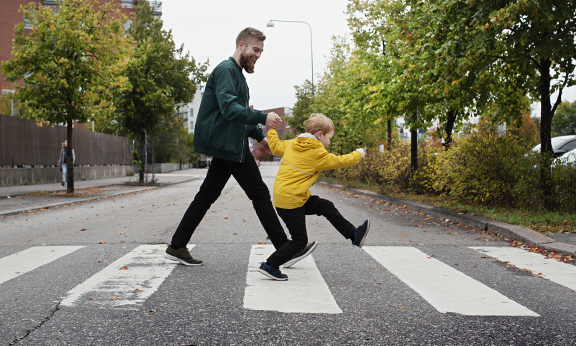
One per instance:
(270, 24)
(6, 92)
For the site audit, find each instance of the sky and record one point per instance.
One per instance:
(208, 30)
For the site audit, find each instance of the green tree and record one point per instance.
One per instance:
(71, 62)
(564, 121)
(288, 135)
(303, 107)
(160, 75)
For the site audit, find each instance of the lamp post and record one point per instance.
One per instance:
(6, 92)
(270, 24)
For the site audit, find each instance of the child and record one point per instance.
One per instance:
(303, 159)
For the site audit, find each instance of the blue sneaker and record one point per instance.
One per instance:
(272, 273)
(361, 233)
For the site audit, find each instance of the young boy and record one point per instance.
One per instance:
(303, 159)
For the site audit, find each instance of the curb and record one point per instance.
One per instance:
(513, 232)
(144, 188)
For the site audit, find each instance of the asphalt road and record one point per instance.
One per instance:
(93, 274)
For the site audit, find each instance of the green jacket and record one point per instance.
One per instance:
(225, 119)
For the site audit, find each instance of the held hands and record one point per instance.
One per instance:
(362, 152)
(273, 120)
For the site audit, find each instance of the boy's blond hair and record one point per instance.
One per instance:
(319, 122)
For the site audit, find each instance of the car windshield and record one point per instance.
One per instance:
(556, 141)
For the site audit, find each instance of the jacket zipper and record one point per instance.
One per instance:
(244, 139)
(243, 142)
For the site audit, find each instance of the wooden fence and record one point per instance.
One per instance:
(22, 142)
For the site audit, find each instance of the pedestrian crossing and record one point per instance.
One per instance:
(135, 276)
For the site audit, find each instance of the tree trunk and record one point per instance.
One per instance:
(452, 114)
(545, 132)
(141, 153)
(389, 134)
(414, 144)
(69, 159)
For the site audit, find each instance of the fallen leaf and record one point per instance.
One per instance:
(102, 242)
(123, 268)
(226, 218)
(138, 290)
(405, 235)
(152, 310)
(83, 229)
(121, 233)
(126, 226)
(243, 220)
(260, 243)
(113, 297)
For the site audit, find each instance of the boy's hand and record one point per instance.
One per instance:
(273, 120)
(362, 152)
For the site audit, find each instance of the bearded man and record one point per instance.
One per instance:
(223, 125)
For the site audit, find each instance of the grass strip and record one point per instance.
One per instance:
(542, 221)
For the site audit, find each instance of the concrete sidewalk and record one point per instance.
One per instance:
(16, 199)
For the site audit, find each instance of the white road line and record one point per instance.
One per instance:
(146, 269)
(444, 287)
(304, 292)
(558, 272)
(30, 259)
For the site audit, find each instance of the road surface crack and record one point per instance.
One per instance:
(53, 311)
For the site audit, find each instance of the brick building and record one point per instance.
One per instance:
(10, 16)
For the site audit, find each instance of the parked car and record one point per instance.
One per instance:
(560, 145)
(567, 159)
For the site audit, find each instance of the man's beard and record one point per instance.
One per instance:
(247, 63)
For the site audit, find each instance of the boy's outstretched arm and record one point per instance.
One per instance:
(276, 145)
(330, 161)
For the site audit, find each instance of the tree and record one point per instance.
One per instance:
(303, 107)
(564, 121)
(71, 62)
(288, 135)
(160, 75)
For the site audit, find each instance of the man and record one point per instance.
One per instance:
(224, 123)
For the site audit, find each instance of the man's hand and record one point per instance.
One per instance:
(273, 120)
(362, 152)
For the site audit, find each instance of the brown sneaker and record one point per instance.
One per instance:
(301, 255)
(182, 255)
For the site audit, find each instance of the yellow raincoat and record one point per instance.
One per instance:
(302, 160)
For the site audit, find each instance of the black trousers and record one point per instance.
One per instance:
(248, 176)
(295, 220)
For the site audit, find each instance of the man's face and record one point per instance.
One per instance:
(65, 144)
(251, 52)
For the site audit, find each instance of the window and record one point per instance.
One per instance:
(569, 146)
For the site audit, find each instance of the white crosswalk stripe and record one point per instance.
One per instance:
(560, 273)
(130, 280)
(27, 260)
(445, 288)
(304, 292)
(133, 278)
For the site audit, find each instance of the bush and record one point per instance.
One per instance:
(485, 168)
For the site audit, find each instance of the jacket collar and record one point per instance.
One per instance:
(235, 63)
(307, 135)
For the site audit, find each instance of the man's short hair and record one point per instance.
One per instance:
(247, 33)
(319, 122)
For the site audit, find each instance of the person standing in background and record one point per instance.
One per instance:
(62, 158)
